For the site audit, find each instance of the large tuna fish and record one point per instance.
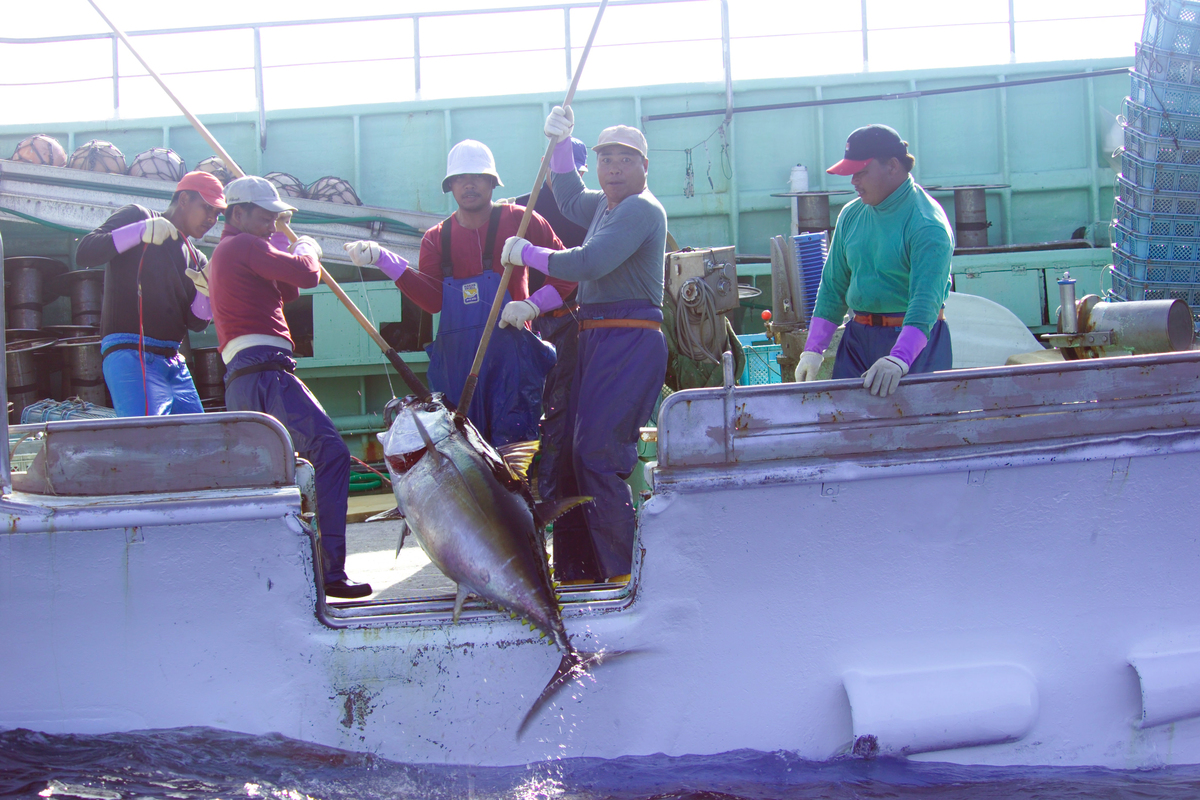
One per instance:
(470, 508)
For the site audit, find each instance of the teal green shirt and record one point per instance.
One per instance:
(888, 259)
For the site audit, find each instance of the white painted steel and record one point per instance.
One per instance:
(1170, 682)
(941, 709)
(1038, 521)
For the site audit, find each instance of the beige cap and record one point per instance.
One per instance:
(625, 136)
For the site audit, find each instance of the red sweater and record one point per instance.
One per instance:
(249, 280)
(466, 248)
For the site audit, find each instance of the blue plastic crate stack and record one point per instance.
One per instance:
(1156, 215)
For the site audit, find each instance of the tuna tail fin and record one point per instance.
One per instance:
(573, 665)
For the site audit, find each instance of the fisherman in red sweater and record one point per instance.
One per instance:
(251, 276)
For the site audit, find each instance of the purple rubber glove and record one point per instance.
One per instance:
(128, 236)
(820, 331)
(563, 157)
(909, 344)
(391, 264)
(201, 307)
(546, 299)
(537, 258)
(279, 241)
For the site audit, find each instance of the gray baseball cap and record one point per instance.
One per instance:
(259, 191)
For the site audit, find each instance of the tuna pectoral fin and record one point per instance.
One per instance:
(403, 533)
(548, 512)
(385, 516)
(574, 665)
(459, 599)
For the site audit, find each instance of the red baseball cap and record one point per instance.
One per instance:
(866, 143)
(206, 185)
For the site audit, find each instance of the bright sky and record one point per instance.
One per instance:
(513, 52)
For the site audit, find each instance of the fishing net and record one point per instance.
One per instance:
(215, 166)
(288, 185)
(98, 156)
(40, 149)
(158, 163)
(333, 190)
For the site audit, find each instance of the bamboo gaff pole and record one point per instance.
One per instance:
(473, 378)
(397, 362)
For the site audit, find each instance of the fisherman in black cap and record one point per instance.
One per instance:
(889, 263)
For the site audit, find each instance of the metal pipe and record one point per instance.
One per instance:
(1146, 326)
(970, 218)
(1068, 322)
(893, 96)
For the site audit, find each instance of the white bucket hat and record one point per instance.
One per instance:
(470, 157)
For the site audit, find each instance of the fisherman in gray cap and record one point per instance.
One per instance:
(251, 276)
(622, 352)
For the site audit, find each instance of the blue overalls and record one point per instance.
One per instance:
(167, 387)
(508, 399)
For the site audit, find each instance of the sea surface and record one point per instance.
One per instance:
(195, 763)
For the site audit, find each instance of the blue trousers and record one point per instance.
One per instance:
(618, 379)
(168, 384)
(863, 345)
(563, 333)
(287, 399)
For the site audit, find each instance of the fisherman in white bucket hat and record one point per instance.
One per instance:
(458, 275)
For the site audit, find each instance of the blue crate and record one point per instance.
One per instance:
(1148, 201)
(1160, 124)
(1155, 271)
(1174, 225)
(1173, 25)
(1174, 98)
(762, 364)
(1155, 248)
(811, 251)
(1159, 177)
(1166, 65)
(1163, 149)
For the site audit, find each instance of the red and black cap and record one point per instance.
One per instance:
(871, 141)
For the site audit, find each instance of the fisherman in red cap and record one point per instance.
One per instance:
(889, 264)
(154, 292)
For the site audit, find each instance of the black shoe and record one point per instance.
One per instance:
(347, 589)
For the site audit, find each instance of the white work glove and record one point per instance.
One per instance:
(200, 278)
(517, 313)
(283, 221)
(513, 249)
(808, 366)
(560, 123)
(884, 375)
(306, 245)
(363, 254)
(158, 230)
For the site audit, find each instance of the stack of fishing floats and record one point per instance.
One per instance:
(1156, 226)
(162, 164)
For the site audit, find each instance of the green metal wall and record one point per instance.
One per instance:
(1045, 140)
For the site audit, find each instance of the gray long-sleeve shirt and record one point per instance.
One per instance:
(621, 257)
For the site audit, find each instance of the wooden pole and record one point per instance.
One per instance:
(406, 373)
(473, 378)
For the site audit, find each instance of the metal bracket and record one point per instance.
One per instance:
(1092, 339)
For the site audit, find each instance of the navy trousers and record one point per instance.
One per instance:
(618, 379)
(287, 399)
(863, 345)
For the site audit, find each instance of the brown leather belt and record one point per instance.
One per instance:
(561, 311)
(887, 320)
(585, 324)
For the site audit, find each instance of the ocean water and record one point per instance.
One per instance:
(195, 763)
